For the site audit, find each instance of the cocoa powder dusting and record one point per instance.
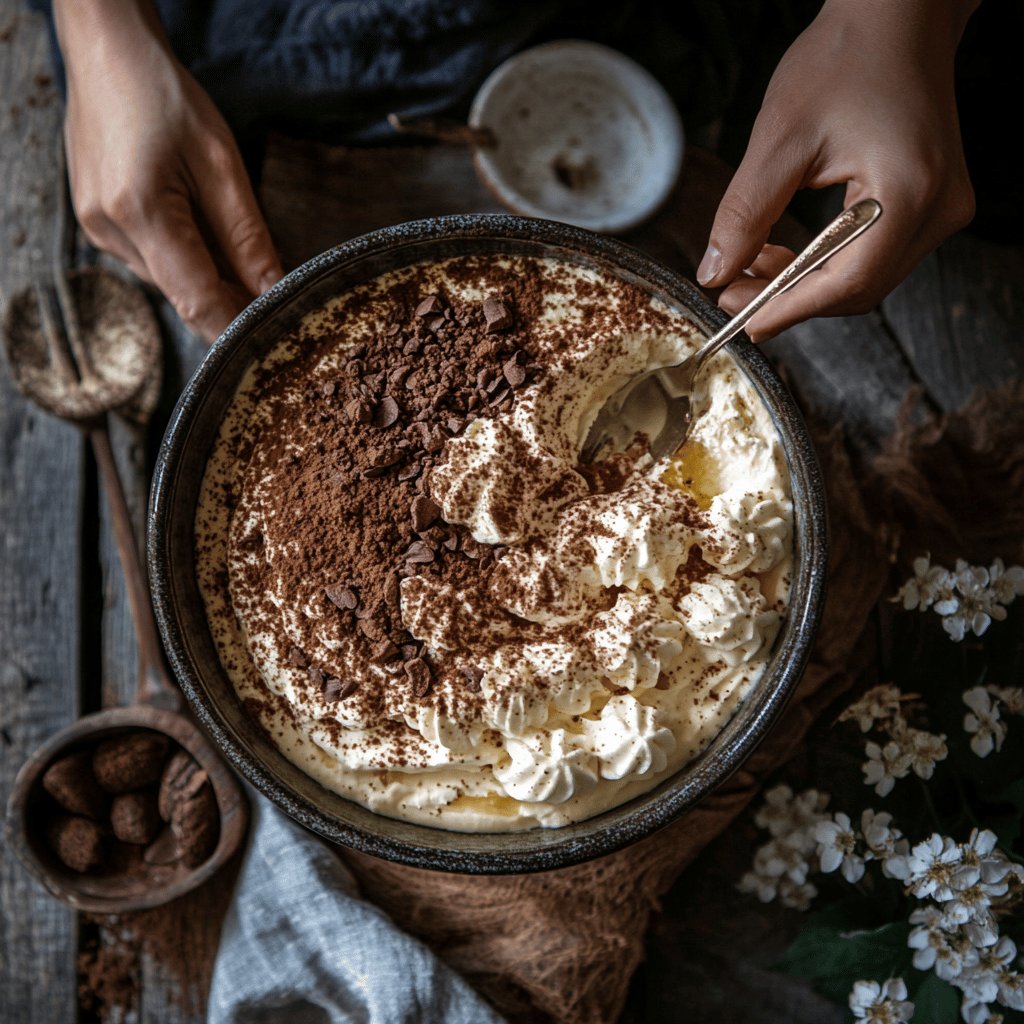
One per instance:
(350, 462)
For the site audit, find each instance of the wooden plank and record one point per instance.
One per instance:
(40, 531)
(958, 318)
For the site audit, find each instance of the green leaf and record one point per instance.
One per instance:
(935, 1001)
(832, 954)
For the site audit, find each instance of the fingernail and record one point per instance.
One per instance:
(710, 267)
(267, 281)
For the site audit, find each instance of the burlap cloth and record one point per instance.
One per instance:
(563, 945)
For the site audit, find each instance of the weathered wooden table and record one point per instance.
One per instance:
(66, 644)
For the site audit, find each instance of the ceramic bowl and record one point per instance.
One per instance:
(179, 606)
(584, 135)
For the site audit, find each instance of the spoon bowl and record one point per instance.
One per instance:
(656, 404)
(120, 342)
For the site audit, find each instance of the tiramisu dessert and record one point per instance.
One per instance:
(430, 606)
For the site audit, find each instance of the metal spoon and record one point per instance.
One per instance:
(657, 402)
(101, 361)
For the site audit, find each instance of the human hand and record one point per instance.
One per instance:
(156, 177)
(863, 97)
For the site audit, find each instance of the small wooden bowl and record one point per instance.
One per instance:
(145, 885)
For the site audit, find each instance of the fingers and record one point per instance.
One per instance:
(757, 196)
(181, 266)
(229, 207)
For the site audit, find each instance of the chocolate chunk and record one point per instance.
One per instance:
(495, 385)
(386, 650)
(344, 598)
(424, 512)
(419, 675)
(500, 396)
(434, 323)
(335, 689)
(484, 377)
(398, 376)
(181, 780)
(381, 460)
(455, 424)
(514, 373)
(316, 676)
(451, 542)
(435, 442)
(77, 841)
(410, 472)
(134, 817)
(297, 657)
(130, 761)
(328, 389)
(71, 783)
(387, 413)
(419, 553)
(472, 676)
(497, 315)
(412, 347)
(429, 306)
(358, 410)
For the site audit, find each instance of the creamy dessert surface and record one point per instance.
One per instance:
(430, 606)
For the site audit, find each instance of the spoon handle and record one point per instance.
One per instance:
(837, 235)
(155, 686)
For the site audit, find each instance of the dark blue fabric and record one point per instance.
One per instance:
(334, 70)
(316, 66)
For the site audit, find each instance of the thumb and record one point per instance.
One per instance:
(756, 198)
(230, 209)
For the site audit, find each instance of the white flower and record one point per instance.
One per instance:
(1006, 584)
(1012, 698)
(1011, 989)
(884, 766)
(981, 983)
(993, 865)
(983, 721)
(932, 867)
(935, 947)
(881, 1004)
(798, 897)
(977, 605)
(837, 847)
(880, 837)
(924, 749)
(879, 704)
(779, 857)
(930, 583)
(783, 813)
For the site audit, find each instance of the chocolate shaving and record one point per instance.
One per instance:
(387, 413)
(344, 598)
(424, 512)
(419, 552)
(429, 306)
(420, 677)
(335, 689)
(497, 315)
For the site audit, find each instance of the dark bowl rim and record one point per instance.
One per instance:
(805, 474)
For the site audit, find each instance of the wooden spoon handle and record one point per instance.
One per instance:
(155, 686)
